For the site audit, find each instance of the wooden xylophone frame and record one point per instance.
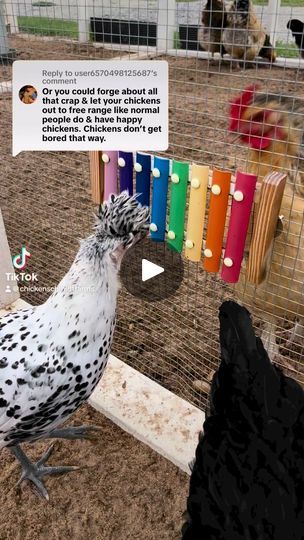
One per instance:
(109, 169)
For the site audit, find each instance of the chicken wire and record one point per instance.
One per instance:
(46, 201)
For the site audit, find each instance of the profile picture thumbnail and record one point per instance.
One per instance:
(28, 94)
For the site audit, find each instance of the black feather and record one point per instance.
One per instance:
(297, 29)
(248, 477)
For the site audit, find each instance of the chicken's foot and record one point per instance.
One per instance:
(35, 471)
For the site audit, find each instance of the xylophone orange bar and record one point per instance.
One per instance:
(216, 222)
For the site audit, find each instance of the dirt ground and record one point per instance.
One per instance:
(125, 491)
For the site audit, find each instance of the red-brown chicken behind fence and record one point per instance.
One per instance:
(272, 126)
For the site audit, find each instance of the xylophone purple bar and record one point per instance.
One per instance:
(238, 225)
(143, 177)
(125, 163)
(110, 173)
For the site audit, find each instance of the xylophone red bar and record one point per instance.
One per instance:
(238, 225)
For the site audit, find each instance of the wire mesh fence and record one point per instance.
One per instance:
(45, 197)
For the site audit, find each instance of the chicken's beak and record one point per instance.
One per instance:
(140, 236)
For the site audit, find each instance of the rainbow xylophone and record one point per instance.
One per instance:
(193, 195)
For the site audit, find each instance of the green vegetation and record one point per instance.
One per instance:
(43, 26)
(299, 3)
(265, 2)
(283, 3)
(43, 4)
(293, 3)
(287, 50)
(176, 39)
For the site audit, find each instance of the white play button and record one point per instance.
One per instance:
(150, 270)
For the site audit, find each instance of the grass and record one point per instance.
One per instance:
(291, 3)
(43, 26)
(287, 50)
(298, 3)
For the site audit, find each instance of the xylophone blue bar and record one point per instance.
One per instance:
(125, 164)
(160, 174)
(143, 178)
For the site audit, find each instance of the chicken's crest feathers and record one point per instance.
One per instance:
(122, 217)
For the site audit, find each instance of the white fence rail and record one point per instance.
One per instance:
(167, 14)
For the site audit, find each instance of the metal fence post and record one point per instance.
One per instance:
(3, 34)
(11, 18)
(83, 21)
(274, 9)
(166, 24)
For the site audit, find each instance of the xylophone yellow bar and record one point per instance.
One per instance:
(196, 212)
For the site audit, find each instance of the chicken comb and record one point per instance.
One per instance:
(240, 104)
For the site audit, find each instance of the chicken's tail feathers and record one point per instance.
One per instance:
(121, 216)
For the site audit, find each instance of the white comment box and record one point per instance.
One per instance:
(90, 105)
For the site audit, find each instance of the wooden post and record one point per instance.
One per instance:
(265, 225)
(97, 176)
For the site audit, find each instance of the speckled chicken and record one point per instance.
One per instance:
(53, 355)
(214, 19)
(247, 479)
(244, 35)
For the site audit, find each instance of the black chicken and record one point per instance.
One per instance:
(297, 30)
(248, 478)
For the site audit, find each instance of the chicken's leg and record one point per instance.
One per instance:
(35, 471)
(294, 336)
(269, 339)
(76, 432)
